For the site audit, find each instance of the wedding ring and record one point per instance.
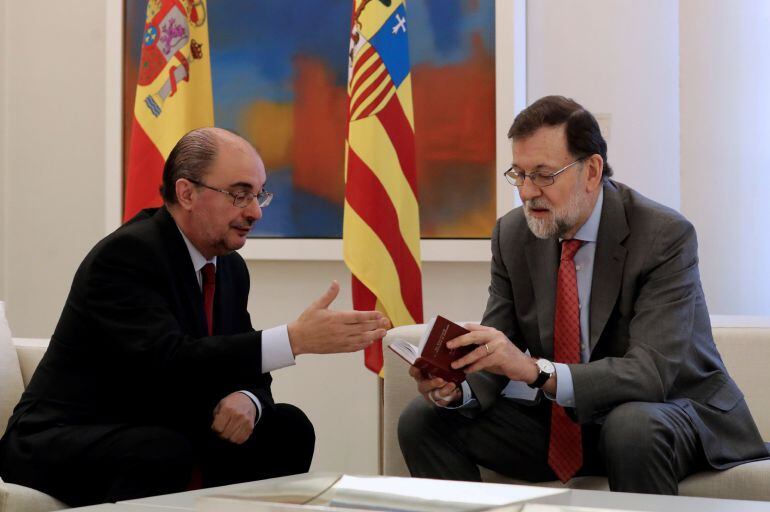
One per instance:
(486, 346)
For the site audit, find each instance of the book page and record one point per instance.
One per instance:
(405, 350)
(426, 335)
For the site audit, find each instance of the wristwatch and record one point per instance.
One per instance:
(547, 369)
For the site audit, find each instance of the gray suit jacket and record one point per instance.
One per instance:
(650, 333)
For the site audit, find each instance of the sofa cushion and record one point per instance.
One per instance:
(16, 498)
(11, 385)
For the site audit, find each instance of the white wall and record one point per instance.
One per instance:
(618, 58)
(3, 153)
(54, 153)
(725, 112)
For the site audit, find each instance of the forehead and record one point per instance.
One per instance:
(236, 164)
(547, 145)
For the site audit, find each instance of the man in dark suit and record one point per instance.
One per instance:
(154, 372)
(595, 353)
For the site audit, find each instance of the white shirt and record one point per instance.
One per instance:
(276, 349)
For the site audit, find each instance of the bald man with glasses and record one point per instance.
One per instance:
(155, 378)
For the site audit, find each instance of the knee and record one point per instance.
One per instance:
(163, 458)
(633, 431)
(415, 424)
(165, 451)
(295, 424)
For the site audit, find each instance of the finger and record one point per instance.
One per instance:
(357, 317)
(416, 374)
(325, 300)
(472, 338)
(470, 358)
(220, 423)
(478, 327)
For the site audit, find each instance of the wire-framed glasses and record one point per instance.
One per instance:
(241, 199)
(516, 176)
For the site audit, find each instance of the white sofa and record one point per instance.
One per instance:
(746, 353)
(18, 361)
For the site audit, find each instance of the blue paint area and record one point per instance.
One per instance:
(254, 45)
(294, 213)
(392, 43)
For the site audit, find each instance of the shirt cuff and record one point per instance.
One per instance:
(565, 391)
(256, 403)
(276, 349)
(468, 399)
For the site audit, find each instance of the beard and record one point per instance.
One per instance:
(560, 221)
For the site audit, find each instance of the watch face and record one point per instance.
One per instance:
(546, 366)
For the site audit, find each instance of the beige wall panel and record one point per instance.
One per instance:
(54, 176)
(725, 159)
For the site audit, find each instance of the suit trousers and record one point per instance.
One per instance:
(87, 464)
(640, 447)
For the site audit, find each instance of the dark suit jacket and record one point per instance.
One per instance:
(131, 346)
(650, 333)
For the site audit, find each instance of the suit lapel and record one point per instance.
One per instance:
(609, 259)
(543, 260)
(184, 273)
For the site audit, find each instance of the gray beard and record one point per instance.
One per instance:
(561, 221)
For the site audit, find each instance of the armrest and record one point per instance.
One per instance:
(30, 351)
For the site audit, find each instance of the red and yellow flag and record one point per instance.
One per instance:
(173, 94)
(381, 230)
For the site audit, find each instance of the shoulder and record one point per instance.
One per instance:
(139, 242)
(512, 227)
(644, 214)
(652, 224)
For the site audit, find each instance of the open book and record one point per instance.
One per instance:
(432, 355)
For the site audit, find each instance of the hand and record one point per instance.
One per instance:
(319, 330)
(494, 353)
(234, 418)
(436, 390)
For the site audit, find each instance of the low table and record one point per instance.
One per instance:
(187, 501)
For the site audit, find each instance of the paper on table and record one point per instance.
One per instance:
(476, 494)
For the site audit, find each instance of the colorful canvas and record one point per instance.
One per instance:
(279, 72)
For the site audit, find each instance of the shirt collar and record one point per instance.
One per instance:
(589, 231)
(198, 260)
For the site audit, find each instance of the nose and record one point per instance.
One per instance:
(253, 211)
(529, 190)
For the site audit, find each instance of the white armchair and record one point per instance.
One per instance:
(18, 359)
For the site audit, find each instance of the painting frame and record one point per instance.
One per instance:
(510, 98)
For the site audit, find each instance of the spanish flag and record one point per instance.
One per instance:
(381, 229)
(173, 94)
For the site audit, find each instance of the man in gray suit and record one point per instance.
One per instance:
(604, 282)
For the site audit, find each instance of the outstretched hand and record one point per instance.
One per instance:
(320, 330)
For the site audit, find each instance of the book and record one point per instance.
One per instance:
(432, 355)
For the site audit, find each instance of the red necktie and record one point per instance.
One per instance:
(565, 450)
(208, 273)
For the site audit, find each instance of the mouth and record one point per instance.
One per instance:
(241, 230)
(538, 212)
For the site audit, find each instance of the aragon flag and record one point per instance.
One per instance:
(381, 229)
(173, 94)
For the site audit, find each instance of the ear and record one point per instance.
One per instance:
(594, 168)
(185, 193)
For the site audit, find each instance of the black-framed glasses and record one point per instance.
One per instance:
(516, 176)
(241, 199)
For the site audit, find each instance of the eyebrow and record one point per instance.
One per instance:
(242, 184)
(538, 167)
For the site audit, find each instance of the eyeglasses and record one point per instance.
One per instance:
(516, 177)
(241, 199)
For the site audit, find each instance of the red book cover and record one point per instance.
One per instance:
(432, 356)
